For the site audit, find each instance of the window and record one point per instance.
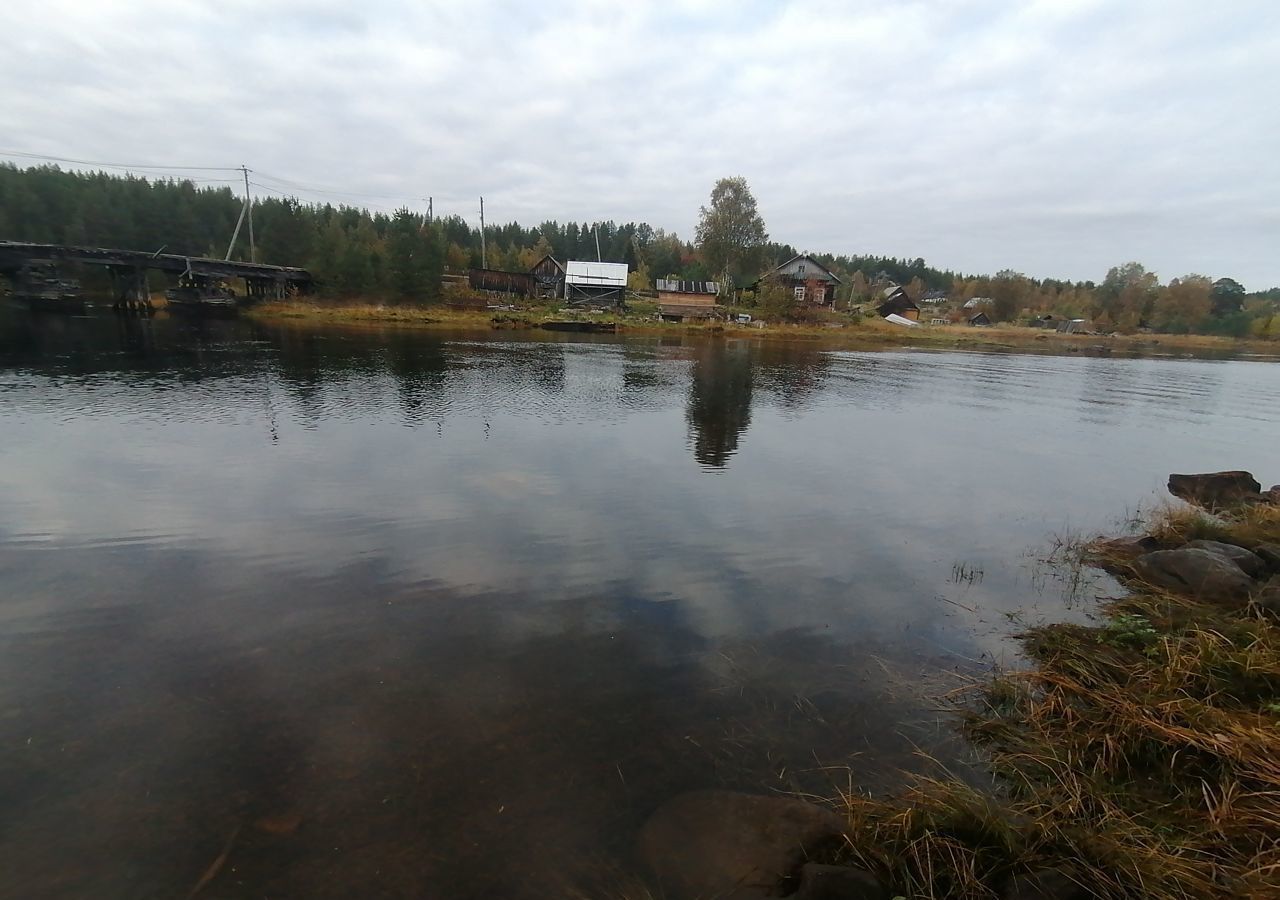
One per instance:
(800, 268)
(820, 294)
(800, 293)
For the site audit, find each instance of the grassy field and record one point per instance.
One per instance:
(839, 332)
(1139, 757)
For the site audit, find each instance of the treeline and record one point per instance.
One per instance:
(401, 256)
(351, 251)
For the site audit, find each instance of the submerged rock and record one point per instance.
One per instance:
(1199, 573)
(727, 845)
(1250, 562)
(1216, 490)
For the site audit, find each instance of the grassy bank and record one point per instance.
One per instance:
(1139, 757)
(838, 332)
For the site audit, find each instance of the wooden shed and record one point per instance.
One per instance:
(680, 300)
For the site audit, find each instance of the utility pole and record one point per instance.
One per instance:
(483, 262)
(429, 209)
(248, 204)
(596, 232)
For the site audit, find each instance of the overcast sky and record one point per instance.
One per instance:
(1055, 138)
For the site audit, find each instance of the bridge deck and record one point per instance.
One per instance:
(14, 255)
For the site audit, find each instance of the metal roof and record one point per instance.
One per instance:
(689, 287)
(595, 273)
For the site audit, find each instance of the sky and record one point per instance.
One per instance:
(1053, 138)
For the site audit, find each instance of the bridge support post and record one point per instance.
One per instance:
(129, 289)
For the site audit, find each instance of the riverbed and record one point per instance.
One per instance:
(391, 613)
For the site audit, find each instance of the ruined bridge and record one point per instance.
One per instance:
(33, 270)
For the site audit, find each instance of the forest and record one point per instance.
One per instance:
(400, 257)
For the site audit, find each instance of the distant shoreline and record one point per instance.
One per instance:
(868, 334)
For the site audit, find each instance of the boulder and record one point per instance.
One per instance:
(1216, 490)
(1251, 563)
(727, 845)
(838, 883)
(1122, 549)
(1272, 495)
(1268, 599)
(1269, 554)
(1199, 573)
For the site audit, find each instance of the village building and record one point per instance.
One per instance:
(933, 298)
(897, 303)
(978, 301)
(548, 278)
(681, 300)
(595, 283)
(808, 279)
(496, 281)
(981, 319)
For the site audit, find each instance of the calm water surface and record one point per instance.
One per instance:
(413, 615)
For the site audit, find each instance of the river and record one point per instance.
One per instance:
(386, 613)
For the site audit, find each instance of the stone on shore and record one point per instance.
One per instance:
(1122, 549)
(1250, 562)
(1199, 573)
(734, 846)
(1269, 554)
(1216, 490)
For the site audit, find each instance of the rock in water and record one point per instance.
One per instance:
(1252, 564)
(1199, 573)
(1216, 490)
(733, 846)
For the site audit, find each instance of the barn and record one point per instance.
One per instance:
(548, 278)
(595, 283)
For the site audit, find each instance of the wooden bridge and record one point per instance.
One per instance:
(35, 273)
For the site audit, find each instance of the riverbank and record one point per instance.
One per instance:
(870, 333)
(1139, 756)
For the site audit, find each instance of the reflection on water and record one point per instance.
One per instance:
(415, 615)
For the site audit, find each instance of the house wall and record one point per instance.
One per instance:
(677, 299)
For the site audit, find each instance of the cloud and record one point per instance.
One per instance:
(1054, 138)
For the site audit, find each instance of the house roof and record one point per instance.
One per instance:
(893, 289)
(688, 287)
(805, 256)
(601, 274)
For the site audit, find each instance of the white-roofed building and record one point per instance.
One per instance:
(595, 282)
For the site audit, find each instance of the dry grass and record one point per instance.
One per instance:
(851, 333)
(1141, 757)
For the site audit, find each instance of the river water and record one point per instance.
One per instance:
(396, 614)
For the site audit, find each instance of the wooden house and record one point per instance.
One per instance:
(811, 281)
(548, 278)
(895, 302)
(595, 283)
(680, 300)
(981, 319)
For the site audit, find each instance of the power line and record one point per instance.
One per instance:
(111, 165)
(273, 190)
(324, 190)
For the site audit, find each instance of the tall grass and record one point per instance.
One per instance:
(1140, 757)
